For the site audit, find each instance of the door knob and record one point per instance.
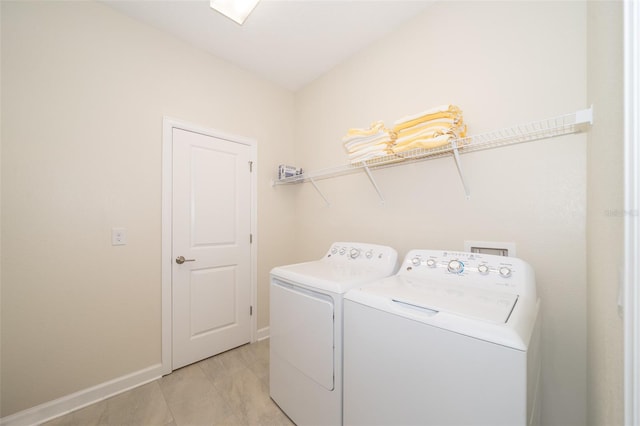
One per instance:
(180, 260)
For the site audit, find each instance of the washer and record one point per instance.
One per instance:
(451, 339)
(306, 328)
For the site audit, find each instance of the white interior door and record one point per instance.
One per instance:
(211, 230)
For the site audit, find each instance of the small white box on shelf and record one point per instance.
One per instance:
(285, 171)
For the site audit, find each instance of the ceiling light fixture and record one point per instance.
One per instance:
(238, 10)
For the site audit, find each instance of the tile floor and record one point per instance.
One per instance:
(228, 389)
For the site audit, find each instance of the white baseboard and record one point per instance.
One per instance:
(262, 334)
(75, 401)
(61, 406)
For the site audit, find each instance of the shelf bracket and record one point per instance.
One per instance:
(313, 182)
(585, 116)
(456, 156)
(373, 182)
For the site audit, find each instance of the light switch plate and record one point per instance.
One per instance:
(118, 236)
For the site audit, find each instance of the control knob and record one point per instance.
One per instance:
(431, 263)
(455, 267)
(369, 254)
(343, 251)
(483, 269)
(354, 253)
(416, 261)
(505, 271)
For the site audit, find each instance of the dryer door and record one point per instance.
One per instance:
(302, 331)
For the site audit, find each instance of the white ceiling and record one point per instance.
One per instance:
(289, 42)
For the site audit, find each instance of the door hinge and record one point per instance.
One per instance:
(250, 238)
(250, 166)
(250, 310)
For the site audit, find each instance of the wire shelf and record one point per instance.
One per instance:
(537, 130)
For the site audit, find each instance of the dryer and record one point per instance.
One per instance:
(306, 328)
(452, 339)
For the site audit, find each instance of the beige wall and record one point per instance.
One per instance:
(84, 90)
(605, 209)
(503, 63)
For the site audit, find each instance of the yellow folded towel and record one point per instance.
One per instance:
(375, 127)
(442, 122)
(433, 128)
(359, 142)
(431, 112)
(424, 143)
(355, 144)
(450, 112)
(409, 124)
(386, 148)
(421, 133)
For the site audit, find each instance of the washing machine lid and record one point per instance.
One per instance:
(330, 276)
(495, 317)
(457, 300)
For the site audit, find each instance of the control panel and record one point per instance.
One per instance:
(361, 252)
(490, 272)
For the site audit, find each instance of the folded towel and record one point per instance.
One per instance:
(375, 127)
(442, 110)
(446, 112)
(359, 141)
(425, 132)
(408, 124)
(424, 143)
(458, 132)
(364, 143)
(433, 128)
(384, 148)
(443, 123)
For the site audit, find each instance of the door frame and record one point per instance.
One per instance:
(631, 17)
(168, 124)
